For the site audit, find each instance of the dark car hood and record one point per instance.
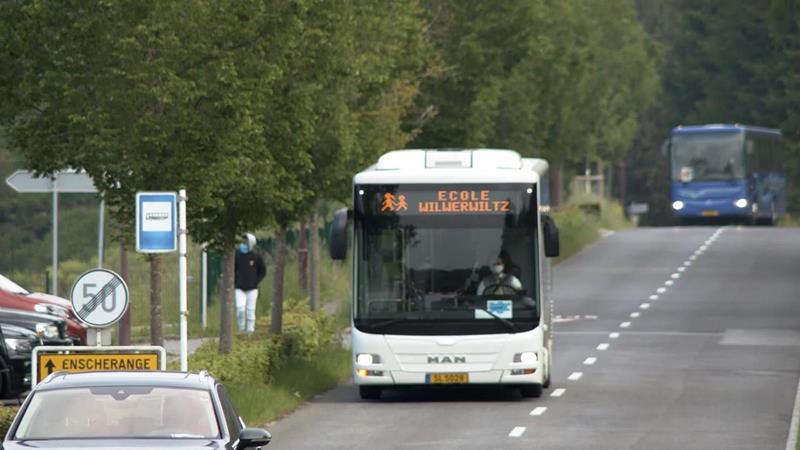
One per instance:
(116, 444)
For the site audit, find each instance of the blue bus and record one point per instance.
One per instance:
(731, 172)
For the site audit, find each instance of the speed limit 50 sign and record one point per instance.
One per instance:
(99, 298)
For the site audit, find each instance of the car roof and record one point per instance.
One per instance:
(173, 379)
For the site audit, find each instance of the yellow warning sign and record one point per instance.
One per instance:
(48, 363)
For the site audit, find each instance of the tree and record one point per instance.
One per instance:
(144, 97)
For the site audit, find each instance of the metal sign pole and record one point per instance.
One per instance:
(204, 287)
(182, 279)
(54, 263)
(101, 232)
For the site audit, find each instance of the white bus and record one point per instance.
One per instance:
(451, 270)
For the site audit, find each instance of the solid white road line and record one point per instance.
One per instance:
(603, 346)
(613, 335)
(558, 392)
(590, 361)
(635, 314)
(538, 411)
(517, 432)
(654, 297)
(575, 376)
(645, 306)
(791, 440)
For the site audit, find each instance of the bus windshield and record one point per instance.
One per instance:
(707, 156)
(450, 260)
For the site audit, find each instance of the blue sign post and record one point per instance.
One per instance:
(156, 225)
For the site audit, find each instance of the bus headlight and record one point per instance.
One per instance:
(367, 359)
(741, 203)
(677, 205)
(526, 358)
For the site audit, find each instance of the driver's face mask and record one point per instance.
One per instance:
(498, 268)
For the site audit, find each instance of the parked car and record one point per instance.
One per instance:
(125, 410)
(15, 296)
(20, 333)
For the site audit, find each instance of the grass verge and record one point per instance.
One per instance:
(295, 382)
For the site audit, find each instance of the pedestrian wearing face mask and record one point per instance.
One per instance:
(500, 281)
(250, 269)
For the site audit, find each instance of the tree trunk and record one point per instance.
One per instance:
(302, 260)
(156, 320)
(276, 325)
(124, 336)
(315, 250)
(226, 301)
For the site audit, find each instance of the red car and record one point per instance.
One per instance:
(15, 296)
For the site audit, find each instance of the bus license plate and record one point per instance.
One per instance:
(447, 378)
(711, 213)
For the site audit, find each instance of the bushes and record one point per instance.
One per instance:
(579, 226)
(7, 414)
(256, 358)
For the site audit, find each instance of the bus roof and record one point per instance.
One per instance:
(721, 127)
(453, 166)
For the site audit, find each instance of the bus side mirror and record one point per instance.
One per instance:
(337, 242)
(552, 247)
(665, 148)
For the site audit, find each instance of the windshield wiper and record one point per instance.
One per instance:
(510, 325)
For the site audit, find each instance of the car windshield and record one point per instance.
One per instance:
(707, 157)
(448, 260)
(10, 286)
(126, 412)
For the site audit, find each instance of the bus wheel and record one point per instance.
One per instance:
(369, 392)
(546, 383)
(531, 390)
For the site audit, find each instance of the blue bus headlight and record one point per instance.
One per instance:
(677, 205)
(741, 203)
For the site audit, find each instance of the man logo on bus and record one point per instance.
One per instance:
(392, 203)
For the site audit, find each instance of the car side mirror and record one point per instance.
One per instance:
(253, 438)
(552, 247)
(337, 239)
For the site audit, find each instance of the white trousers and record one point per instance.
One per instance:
(246, 309)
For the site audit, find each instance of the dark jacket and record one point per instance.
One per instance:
(250, 270)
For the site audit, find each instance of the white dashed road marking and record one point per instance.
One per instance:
(624, 324)
(681, 269)
(590, 361)
(669, 283)
(654, 297)
(613, 335)
(645, 306)
(603, 346)
(558, 392)
(575, 376)
(517, 432)
(635, 314)
(675, 276)
(539, 410)
(661, 290)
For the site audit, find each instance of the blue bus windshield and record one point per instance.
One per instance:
(714, 156)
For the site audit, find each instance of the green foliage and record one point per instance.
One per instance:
(563, 80)
(7, 415)
(256, 358)
(579, 226)
(297, 381)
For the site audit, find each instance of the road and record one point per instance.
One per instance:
(670, 338)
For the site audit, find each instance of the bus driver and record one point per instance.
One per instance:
(500, 281)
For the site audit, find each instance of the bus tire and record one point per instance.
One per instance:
(531, 390)
(369, 392)
(548, 367)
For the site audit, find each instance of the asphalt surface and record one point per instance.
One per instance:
(669, 338)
